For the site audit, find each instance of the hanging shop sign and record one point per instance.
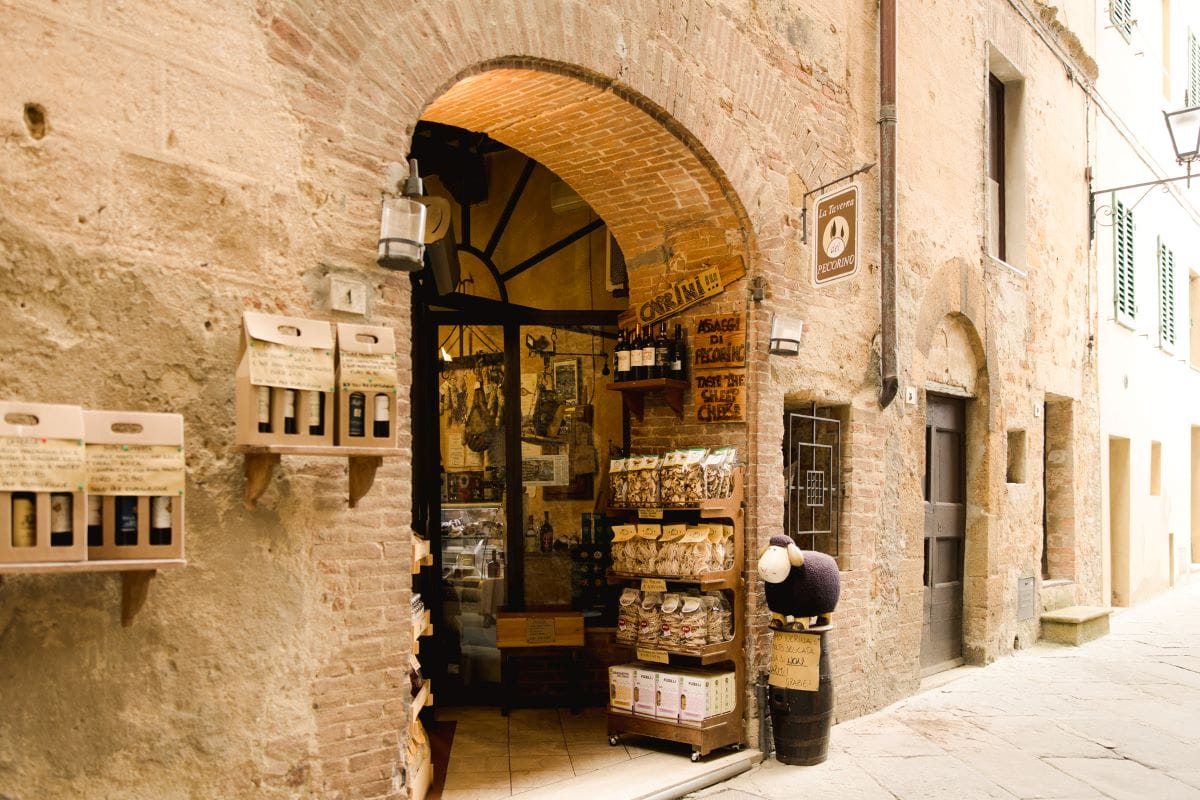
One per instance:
(719, 372)
(720, 342)
(681, 295)
(835, 254)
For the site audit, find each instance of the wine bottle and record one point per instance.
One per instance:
(677, 354)
(95, 528)
(546, 533)
(662, 352)
(648, 352)
(127, 520)
(382, 424)
(264, 409)
(289, 410)
(24, 519)
(358, 408)
(635, 354)
(61, 529)
(316, 413)
(493, 565)
(531, 536)
(622, 353)
(160, 520)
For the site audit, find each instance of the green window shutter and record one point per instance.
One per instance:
(1166, 297)
(1121, 14)
(1193, 92)
(1123, 296)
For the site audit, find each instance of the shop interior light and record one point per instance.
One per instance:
(402, 228)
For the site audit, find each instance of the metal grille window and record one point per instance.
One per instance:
(812, 469)
(1193, 90)
(1121, 14)
(1123, 289)
(1166, 297)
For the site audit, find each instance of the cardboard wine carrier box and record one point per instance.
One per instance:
(285, 381)
(366, 380)
(135, 481)
(43, 512)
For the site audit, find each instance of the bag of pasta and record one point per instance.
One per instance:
(642, 479)
(697, 552)
(650, 619)
(720, 618)
(719, 466)
(618, 485)
(669, 621)
(669, 560)
(644, 553)
(670, 479)
(623, 545)
(628, 611)
(693, 624)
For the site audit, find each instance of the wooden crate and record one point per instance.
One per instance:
(539, 629)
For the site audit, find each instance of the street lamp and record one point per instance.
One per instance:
(402, 227)
(1184, 127)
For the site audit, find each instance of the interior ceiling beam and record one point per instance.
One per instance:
(552, 249)
(509, 207)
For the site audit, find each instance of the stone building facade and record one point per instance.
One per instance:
(167, 166)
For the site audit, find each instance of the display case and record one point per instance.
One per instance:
(473, 575)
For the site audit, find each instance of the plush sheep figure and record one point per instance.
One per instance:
(800, 584)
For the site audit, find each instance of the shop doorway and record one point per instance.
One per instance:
(944, 534)
(1118, 519)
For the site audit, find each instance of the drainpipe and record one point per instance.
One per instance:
(889, 382)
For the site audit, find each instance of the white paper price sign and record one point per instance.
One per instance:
(370, 372)
(41, 465)
(654, 585)
(135, 469)
(291, 367)
(795, 661)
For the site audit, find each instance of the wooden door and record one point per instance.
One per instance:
(945, 533)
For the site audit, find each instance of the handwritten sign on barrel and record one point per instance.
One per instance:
(719, 373)
(795, 661)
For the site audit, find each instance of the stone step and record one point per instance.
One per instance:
(1075, 624)
(1057, 594)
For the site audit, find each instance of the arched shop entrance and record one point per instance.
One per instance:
(572, 199)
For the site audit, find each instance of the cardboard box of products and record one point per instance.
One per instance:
(620, 687)
(135, 484)
(645, 684)
(43, 508)
(366, 386)
(666, 696)
(705, 694)
(284, 385)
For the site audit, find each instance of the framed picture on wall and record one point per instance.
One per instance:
(567, 380)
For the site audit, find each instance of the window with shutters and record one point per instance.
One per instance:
(1193, 91)
(1166, 297)
(1123, 296)
(1121, 14)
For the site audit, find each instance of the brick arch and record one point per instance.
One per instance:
(650, 180)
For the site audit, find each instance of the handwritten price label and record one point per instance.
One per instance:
(654, 585)
(147, 469)
(795, 661)
(291, 367)
(653, 656)
(41, 465)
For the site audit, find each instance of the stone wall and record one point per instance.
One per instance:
(199, 161)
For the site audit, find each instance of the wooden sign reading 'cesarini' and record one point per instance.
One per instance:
(719, 368)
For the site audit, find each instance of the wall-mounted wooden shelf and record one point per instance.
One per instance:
(422, 554)
(261, 461)
(135, 576)
(634, 393)
(424, 698)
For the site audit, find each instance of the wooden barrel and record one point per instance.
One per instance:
(801, 720)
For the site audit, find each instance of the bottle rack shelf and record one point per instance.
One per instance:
(725, 729)
(261, 461)
(135, 576)
(633, 393)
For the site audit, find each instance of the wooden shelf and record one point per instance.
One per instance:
(261, 461)
(714, 732)
(709, 654)
(721, 508)
(424, 698)
(708, 581)
(634, 393)
(422, 554)
(135, 576)
(423, 628)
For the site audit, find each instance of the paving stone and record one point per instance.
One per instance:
(1121, 779)
(931, 778)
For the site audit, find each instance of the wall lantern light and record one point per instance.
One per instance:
(1184, 128)
(402, 228)
(785, 336)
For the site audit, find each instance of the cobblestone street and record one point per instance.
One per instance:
(1116, 718)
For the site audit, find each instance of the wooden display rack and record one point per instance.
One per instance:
(634, 393)
(422, 781)
(726, 729)
(262, 458)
